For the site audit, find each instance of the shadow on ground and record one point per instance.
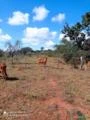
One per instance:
(12, 78)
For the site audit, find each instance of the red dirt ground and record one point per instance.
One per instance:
(44, 93)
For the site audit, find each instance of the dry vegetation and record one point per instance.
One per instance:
(35, 92)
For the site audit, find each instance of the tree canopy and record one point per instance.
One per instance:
(80, 32)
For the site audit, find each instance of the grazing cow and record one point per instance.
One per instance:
(84, 60)
(3, 70)
(42, 60)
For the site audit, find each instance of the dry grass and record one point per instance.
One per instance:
(29, 88)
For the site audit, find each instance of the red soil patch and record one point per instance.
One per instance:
(64, 108)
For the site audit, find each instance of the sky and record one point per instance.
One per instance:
(38, 23)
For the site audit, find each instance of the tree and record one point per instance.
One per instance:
(75, 32)
(12, 49)
(67, 50)
(42, 49)
(17, 45)
(86, 21)
(26, 50)
(1, 53)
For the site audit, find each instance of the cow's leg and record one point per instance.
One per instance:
(81, 65)
(4, 73)
(82, 62)
(85, 66)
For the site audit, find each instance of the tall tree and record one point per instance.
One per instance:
(86, 22)
(42, 49)
(18, 45)
(12, 49)
(26, 50)
(75, 32)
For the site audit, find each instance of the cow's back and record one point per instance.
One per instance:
(42, 60)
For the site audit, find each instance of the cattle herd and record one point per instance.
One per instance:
(3, 71)
(84, 60)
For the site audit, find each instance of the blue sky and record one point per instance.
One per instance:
(38, 23)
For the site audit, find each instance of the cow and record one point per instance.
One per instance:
(3, 70)
(84, 61)
(42, 60)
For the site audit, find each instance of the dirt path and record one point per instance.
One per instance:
(65, 109)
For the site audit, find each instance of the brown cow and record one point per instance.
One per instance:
(3, 70)
(42, 60)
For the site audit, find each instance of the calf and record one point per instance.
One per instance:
(3, 70)
(42, 60)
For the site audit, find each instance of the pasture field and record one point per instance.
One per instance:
(37, 92)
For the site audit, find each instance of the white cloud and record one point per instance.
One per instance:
(19, 18)
(4, 37)
(59, 18)
(85, 33)
(49, 45)
(67, 38)
(40, 13)
(39, 37)
(61, 36)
